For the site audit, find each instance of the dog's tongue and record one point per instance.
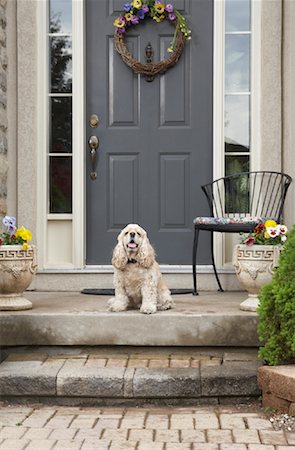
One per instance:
(131, 245)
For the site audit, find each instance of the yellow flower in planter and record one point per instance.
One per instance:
(25, 246)
(23, 233)
(270, 224)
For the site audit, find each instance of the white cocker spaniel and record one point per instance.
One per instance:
(137, 277)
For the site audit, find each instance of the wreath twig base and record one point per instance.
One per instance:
(153, 68)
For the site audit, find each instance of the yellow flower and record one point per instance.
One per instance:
(119, 22)
(25, 246)
(128, 17)
(136, 4)
(270, 224)
(24, 234)
(157, 19)
(160, 8)
(266, 235)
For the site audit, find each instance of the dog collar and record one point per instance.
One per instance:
(132, 261)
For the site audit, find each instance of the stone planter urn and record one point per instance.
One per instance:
(254, 266)
(17, 267)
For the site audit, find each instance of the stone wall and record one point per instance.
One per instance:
(3, 110)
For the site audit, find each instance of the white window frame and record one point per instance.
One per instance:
(218, 104)
(79, 152)
(77, 218)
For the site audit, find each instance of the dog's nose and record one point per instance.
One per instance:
(132, 235)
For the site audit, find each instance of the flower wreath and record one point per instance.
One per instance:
(134, 13)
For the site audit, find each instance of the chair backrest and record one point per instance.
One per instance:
(253, 194)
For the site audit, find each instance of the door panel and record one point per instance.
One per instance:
(155, 137)
(122, 189)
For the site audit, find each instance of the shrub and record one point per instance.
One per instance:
(276, 312)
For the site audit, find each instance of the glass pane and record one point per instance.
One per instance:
(236, 164)
(61, 64)
(237, 192)
(237, 15)
(60, 16)
(237, 63)
(237, 123)
(60, 184)
(61, 125)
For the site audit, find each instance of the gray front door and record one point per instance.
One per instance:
(155, 137)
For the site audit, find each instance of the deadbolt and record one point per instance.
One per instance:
(94, 121)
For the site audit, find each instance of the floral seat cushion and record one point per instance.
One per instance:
(227, 220)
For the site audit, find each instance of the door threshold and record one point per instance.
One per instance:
(108, 269)
(112, 291)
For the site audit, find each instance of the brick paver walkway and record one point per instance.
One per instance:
(90, 428)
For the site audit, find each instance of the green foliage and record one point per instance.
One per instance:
(277, 310)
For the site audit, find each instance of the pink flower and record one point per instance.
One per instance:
(172, 16)
(250, 241)
(134, 20)
(169, 8)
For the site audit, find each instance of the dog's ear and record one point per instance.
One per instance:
(146, 254)
(119, 259)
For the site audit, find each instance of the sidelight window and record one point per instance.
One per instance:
(237, 81)
(60, 107)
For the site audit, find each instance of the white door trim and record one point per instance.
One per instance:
(77, 219)
(79, 132)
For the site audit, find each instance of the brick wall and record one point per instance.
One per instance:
(3, 110)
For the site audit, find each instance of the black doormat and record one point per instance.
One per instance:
(112, 291)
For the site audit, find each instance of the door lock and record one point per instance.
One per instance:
(94, 121)
(93, 143)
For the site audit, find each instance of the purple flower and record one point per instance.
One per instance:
(145, 8)
(121, 30)
(9, 221)
(169, 8)
(140, 14)
(127, 7)
(172, 16)
(134, 20)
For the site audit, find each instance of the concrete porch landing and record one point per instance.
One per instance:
(67, 318)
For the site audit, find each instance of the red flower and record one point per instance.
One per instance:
(250, 241)
(259, 229)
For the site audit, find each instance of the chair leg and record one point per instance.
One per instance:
(214, 267)
(195, 246)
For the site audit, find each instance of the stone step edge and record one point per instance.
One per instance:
(229, 379)
(131, 402)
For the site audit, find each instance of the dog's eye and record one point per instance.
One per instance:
(126, 233)
(139, 234)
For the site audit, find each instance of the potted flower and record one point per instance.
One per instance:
(17, 265)
(256, 258)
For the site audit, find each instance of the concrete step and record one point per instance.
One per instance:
(129, 375)
(69, 318)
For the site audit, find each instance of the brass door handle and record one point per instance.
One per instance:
(93, 143)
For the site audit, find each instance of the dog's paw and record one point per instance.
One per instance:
(167, 304)
(148, 309)
(117, 305)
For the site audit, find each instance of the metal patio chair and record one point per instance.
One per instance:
(237, 204)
